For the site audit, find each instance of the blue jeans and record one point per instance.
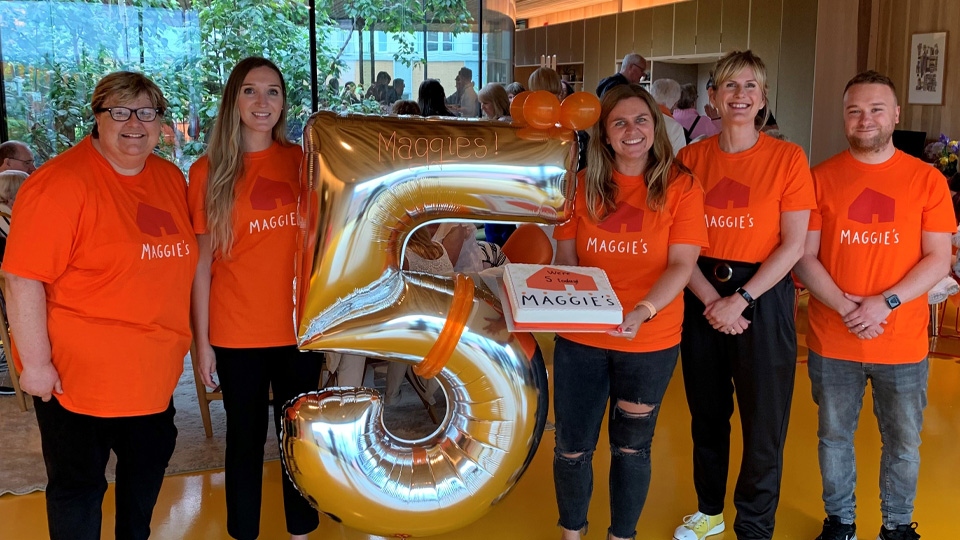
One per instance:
(584, 379)
(899, 397)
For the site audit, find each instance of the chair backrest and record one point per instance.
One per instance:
(528, 244)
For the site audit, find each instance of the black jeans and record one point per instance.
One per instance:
(585, 379)
(76, 448)
(761, 364)
(246, 376)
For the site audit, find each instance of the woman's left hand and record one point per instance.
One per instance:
(725, 312)
(630, 325)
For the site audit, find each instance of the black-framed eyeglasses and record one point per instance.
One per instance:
(29, 162)
(122, 114)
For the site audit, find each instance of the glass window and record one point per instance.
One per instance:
(433, 40)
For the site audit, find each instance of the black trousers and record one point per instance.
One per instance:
(246, 376)
(761, 365)
(76, 448)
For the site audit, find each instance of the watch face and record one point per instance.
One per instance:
(893, 301)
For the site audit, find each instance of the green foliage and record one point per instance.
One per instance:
(188, 48)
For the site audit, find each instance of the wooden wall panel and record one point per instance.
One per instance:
(836, 62)
(591, 52)
(662, 31)
(797, 64)
(765, 16)
(576, 41)
(625, 34)
(685, 28)
(709, 14)
(735, 25)
(643, 32)
(607, 57)
(898, 21)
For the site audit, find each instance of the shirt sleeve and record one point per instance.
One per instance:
(44, 228)
(938, 213)
(798, 188)
(197, 196)
(688, 225)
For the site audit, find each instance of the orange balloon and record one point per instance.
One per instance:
(562, 133)
(579, 111)
(541, 109)
(516, 107)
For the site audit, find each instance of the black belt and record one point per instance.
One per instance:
(722, 271)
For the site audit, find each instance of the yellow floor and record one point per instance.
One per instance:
(191, 506)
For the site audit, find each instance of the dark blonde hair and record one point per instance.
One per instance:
(405, 106)
(733, 63)
(10, 182)
(124, 87)
(422, 244)
(600, 189)
(495, 94)
(225, 153)
(545, 79)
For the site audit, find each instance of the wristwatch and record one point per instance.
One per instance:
(893, 301)
(746, 296)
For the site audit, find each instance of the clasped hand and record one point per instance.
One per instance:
(726, 315)
(864, 316)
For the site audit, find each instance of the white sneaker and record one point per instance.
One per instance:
(699, 526)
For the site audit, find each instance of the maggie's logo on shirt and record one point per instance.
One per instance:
(157, 223)
(868, 205)
(728, 194)
(269, 195)
(627, 219)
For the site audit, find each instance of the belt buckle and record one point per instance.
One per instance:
(723, 272)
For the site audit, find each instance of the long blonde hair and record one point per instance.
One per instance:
(423, 245)
(600, 189)
(225, 153)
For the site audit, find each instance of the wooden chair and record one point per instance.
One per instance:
(22, 400)
(204, 396)
(529, 245)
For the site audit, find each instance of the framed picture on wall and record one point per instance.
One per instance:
(928, 56)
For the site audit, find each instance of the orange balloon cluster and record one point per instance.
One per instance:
(541, 112)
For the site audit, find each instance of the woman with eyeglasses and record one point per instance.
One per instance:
(100, 309)
(243, 198)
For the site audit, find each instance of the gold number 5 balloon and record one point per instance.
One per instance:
(369, 182)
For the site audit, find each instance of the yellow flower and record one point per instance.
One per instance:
(952, 143)
(944, 160)
(953, 157)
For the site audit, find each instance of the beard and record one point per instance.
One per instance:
(874, 143)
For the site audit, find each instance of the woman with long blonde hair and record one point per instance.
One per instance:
(638, 215)
(243, 198)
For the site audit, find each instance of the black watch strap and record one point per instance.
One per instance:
(746, 296)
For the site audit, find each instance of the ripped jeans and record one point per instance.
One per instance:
(584, 378)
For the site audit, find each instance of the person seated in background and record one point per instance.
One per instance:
(567, 90)
(349, 95)
(494, 103)
(667, 93)
(380, 91)
(16, 156)
(513, 89)
(431, 99)
(10, 182)
(396, 91)
(695, 125)
(405, 106)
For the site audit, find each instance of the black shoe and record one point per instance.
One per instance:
(7, 391)
(902, 532)
(834, 530)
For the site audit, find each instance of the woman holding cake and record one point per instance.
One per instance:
(635, 197)
(738, 332)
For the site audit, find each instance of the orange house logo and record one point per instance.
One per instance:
(728, 193)
(554, 279)
(269, 194)
(872, 203)
(154, 221)
(627, 219)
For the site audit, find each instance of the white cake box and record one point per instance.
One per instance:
(560, 298)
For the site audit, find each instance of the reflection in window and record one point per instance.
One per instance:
(55, 51)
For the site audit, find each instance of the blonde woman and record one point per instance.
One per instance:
(243, 198)
(494, 103)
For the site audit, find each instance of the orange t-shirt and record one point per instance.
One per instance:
(251, 292)
(746, 192)
(631, 245)
(116, 255)
(871, 218)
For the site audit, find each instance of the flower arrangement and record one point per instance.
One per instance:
(947, 156)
